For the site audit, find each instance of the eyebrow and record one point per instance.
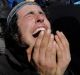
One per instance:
(32, 12)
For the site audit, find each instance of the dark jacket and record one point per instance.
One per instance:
(9, 65)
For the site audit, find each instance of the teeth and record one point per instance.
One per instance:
(39, 29)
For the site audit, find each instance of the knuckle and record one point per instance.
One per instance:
(42, 64)
(50, 65)
(42, 45)
(37, 45)
(42, 48)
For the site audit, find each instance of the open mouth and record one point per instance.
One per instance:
(37, 32)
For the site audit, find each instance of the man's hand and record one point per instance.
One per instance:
(63, 53)
(44, 54)
(46, 48)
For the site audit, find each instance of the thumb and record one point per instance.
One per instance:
(29, 51)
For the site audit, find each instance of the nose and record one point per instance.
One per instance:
(40, 18)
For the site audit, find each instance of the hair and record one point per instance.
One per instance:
(12, 34)
(13, 42)
(12, 31)
(12, 38)
(18, 7)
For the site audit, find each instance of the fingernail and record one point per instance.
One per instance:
(62, 33)
(42, 32)
(48, 31)
(51, 35)
(57, 31)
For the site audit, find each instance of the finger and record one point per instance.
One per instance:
(59, 43)
(51, 53)
(60, 49)
(59, 53)
(64, 58)
(37, 47)
(67, 48)
(43, 47)
(62, 63)
(45, 39)
(63, 39)
(29, 50)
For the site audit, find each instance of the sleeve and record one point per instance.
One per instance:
(69, 72)
(2, 72)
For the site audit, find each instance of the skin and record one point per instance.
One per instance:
(46, 45)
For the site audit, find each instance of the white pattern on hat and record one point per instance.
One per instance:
(17, 7)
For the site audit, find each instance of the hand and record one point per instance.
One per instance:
(44, 54)
(63, 53)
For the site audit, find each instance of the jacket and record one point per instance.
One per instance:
(9, 65)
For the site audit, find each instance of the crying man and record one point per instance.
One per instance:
(35, 31)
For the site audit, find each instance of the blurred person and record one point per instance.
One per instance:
(12, 3)
(3, 9)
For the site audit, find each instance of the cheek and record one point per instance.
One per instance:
(47, 23)
(26, 25)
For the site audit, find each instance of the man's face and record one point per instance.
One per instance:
(31, 20)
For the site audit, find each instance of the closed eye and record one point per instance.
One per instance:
(30, 12)
(40, 12)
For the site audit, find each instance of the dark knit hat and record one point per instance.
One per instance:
(17, 7)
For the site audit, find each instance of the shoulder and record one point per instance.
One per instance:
(5, 68)
(69, 72)
(3, 64)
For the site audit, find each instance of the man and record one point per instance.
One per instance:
(3, 9)
(31, 47)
